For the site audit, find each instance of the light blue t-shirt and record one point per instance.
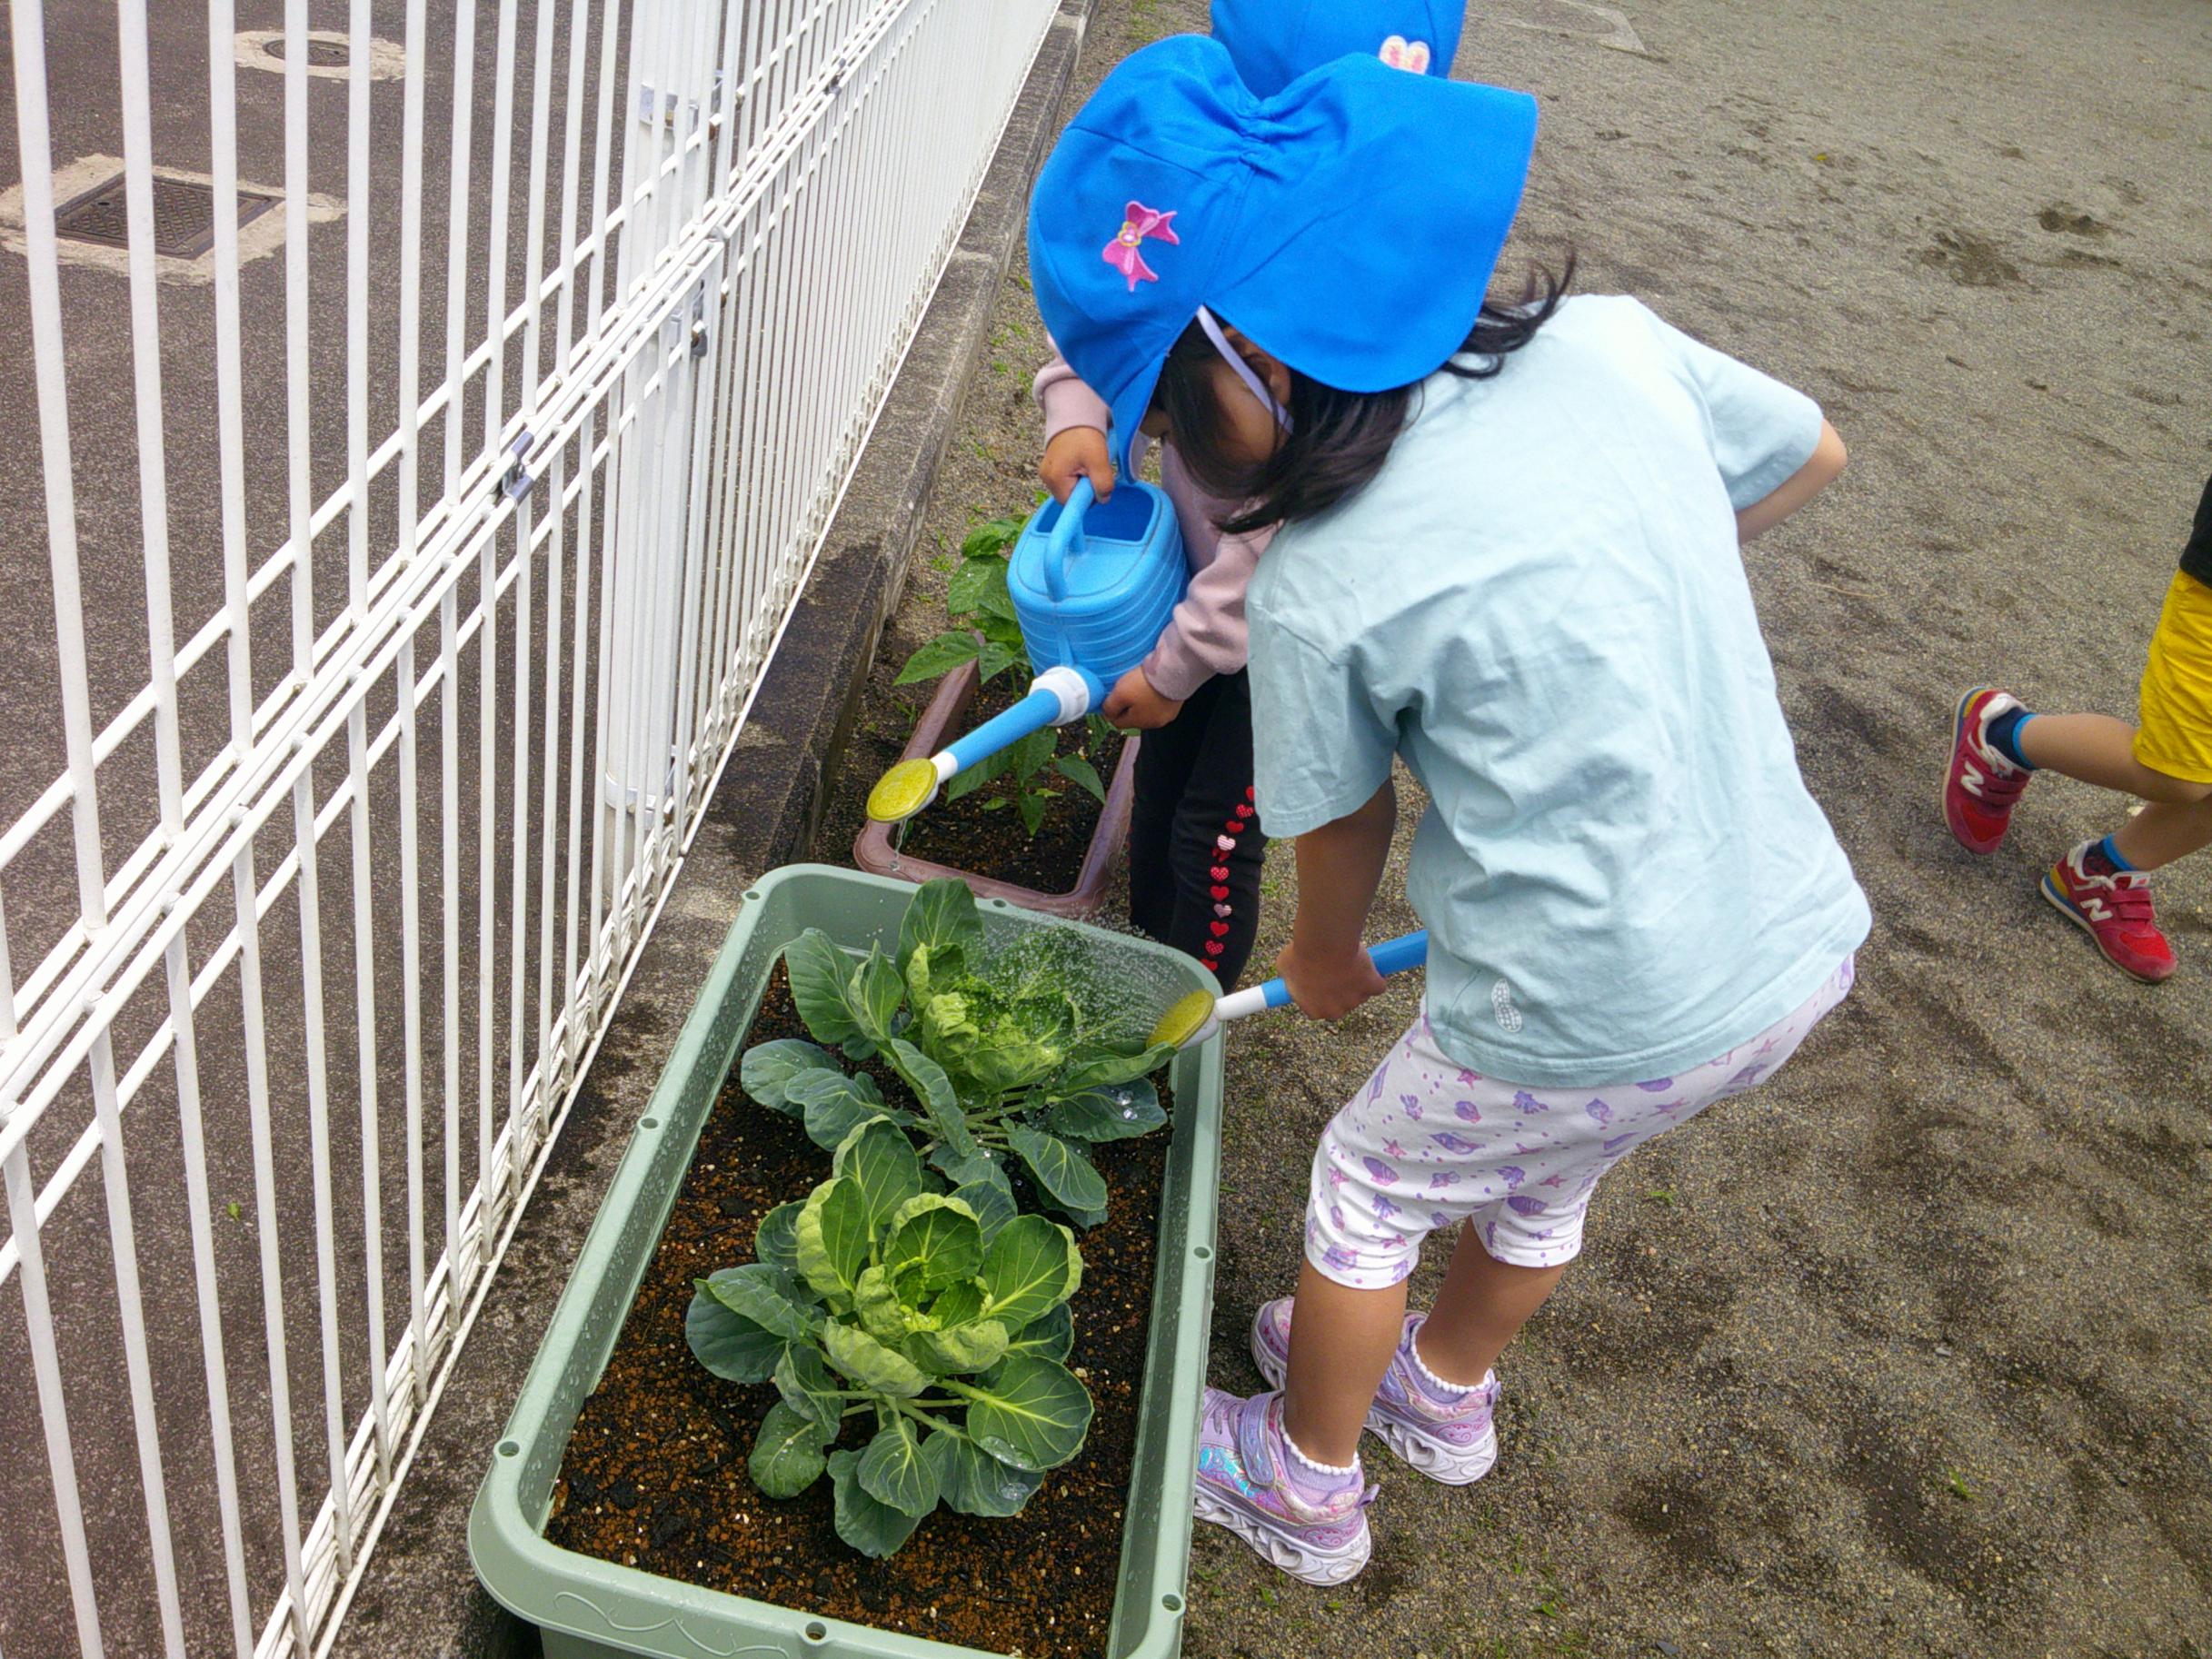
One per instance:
(1540, 603)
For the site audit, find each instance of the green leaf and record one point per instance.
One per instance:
(883, 1313)
(834, 1105)
(769, 1297)
(787, 1453)
(869, 1364)
(1120, 1111)
(1059, 1167)
(966, 782)
(942, 915)
(993, 535)
(769, 1070)
(976, 1166)
(934, 1247)
(1031, 1268)
(1033, 804)
(894, 1471)
(1048, 1337)
(997, 656)
(1031, 753)
(833, 1235)
(820, 975)
(877, 990)
(939, 1101)
(993, 1202)
(776, 1241)
(1104, 1065)
(879, 1162)
(970, 1481)
(979, 584)
(874, 1529)
(1032, 1412)
(941, 655)
(729, 1345)
(961, 1303)
(1078, 770)
(961, 1350)
(807, 1388)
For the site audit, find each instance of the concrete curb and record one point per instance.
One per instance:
(420, 1597)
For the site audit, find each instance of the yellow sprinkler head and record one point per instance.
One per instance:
(903, 791)
(1185, 1019)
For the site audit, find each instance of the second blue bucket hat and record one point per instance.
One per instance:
(1273, 42)
(1347, 226)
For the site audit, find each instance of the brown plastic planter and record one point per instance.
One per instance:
(938, 724)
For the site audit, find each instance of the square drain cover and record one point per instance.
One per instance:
(183, 215)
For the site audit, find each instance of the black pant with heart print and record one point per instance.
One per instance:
(1194, 840)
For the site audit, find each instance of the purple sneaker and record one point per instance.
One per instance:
(1312, 1526)
(1448, 1436)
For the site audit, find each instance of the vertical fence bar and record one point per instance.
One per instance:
(460, 1267)
(457, 238)
(410, 1010)
(145, 370)
(520, 1122)
(255, 1025)
(298, 428)
(130, 1304)
(208, 1295)
(410, 285)
(33, 146)
(503, 184)
(230, 392)
(53, 1400)
(318, 1131)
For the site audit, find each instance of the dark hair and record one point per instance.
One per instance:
(1337, 440)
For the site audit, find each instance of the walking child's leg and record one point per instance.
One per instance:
(2164, 831)
(1482, 1305)
(1341, 1341)
(2097, 748)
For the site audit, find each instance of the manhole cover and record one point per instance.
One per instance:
(183, 215)
(322, 54)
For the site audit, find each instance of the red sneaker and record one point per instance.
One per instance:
(2114, 907)
(1980, 787)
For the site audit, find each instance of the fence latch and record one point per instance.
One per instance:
(515, 482)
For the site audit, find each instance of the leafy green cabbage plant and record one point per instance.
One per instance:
(1004, 1063)
(937, 1319)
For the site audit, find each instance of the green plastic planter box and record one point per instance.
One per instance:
(590, 1609)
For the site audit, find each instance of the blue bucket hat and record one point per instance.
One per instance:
(1348, 226)
(1273, 42)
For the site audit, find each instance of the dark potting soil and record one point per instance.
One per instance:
(972, 834)
(654, 1475)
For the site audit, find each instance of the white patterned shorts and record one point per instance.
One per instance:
(1428, 1144)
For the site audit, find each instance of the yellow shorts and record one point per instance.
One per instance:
(2176, 732)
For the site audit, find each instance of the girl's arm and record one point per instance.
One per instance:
(1828, 458)
(1340, 865)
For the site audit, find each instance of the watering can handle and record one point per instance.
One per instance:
(1067, 530)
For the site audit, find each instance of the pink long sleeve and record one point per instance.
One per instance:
(1206, 634)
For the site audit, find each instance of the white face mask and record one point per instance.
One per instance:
(1235, 360)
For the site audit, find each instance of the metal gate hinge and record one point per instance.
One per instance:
(516, 482)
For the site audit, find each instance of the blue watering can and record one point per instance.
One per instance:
(1094, 583)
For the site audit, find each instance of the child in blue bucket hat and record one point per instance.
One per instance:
(1507, 551)
(1194, 850)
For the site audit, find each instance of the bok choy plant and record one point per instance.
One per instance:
(1003, 1062)
(936, 1321)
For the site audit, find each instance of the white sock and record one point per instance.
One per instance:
(1314, 1465)
(1435, 1382)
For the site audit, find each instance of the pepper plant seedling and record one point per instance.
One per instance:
(939, 1321)
(1002, 1062)
(986, 632)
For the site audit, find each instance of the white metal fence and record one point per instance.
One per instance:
(407, 592)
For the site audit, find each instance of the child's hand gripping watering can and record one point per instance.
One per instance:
(1199, 1013)
(1092, 583)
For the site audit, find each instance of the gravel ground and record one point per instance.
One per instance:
(1906, 1352)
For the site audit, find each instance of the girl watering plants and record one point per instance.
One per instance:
(1505, 548)
(1194, 850)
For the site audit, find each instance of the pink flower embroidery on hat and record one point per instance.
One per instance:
(1400, 53)
(1139, 222)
